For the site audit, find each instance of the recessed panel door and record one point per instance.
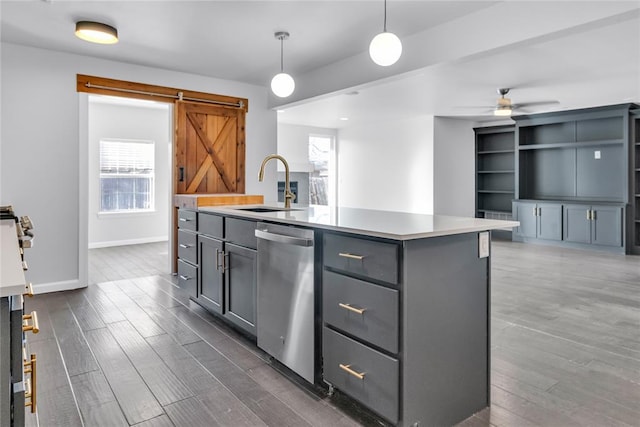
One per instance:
(577, 224)
(210, 261)
(549, 221)
(240, 286)
(606, 225)
(526, 214)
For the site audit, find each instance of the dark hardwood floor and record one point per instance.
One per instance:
(133, 350)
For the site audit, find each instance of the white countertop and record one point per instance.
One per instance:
(386, 224)
(12, 281)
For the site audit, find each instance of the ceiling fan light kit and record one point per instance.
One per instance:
(282, 83)
(96, 32)
(385, 48)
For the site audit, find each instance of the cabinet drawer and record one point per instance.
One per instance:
(241, 232)
(378, 388)
(187, 246)
(187, 220)
(188, 278)
(343, 298)
(377, 260)
(211, 225)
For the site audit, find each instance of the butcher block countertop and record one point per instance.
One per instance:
(194, 201)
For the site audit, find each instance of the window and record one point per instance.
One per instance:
(321, 175)
(126, 176)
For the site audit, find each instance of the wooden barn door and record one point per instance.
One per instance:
(209, 148)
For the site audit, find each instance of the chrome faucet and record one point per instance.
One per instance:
(288, 195)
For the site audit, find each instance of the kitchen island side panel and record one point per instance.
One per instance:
(445, 330)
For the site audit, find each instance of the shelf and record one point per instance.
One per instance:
(495, 152)
(504, 171)
(494, 211)
(571, 144)
(496, 191)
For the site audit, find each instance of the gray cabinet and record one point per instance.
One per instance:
(593, 224)
(188, 252)
(634, 187)
(538, 220)
(225, 267)
(361, 309)
(210, 253)
(240, 286)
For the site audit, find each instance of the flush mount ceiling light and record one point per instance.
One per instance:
(385, 48)
(96, 32)
(282, 83)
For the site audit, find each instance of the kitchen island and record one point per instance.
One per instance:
(400, 301)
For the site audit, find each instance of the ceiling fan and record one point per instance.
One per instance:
(504, 107)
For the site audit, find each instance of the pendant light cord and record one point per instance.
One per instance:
(385, 16)
(282, 54)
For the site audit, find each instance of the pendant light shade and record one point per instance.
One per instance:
(502, 111)
(96, 32)
(385, 48)
(282, 83)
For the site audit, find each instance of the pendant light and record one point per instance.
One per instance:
(385, 48)
(96, 32)
(282, 83)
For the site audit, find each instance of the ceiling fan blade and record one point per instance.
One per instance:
(535, 103)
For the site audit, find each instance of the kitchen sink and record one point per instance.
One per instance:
(266, 209)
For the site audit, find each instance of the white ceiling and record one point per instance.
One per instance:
(457, 53)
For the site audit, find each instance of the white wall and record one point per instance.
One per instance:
(110, 121)
(387, 165)
(293, 144)
(40, 170)
(454, 167)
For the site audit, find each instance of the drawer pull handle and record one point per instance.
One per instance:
(184, 220)
(185, 277)
(350, 308)
(33, 327)
(183, 246)
(29, 290)
(30, 384)
(347, 369)
(351, 256)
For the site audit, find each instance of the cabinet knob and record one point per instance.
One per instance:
(33, 327)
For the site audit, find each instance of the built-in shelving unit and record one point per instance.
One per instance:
(495, 171)
(635, 182)
(587, 163)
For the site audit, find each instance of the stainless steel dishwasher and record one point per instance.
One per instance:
(285, 311)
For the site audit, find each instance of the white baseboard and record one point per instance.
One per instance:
(66, 285)
(96, 245)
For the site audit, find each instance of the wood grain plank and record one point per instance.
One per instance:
(75, 351)
(132, 312)
(165, 386)
(87, 317)
(105, 308)
(161, 421)
(96, 401)
(190, 412)
(265, 405)
(57, 407)
(134, 397)
(183, 365)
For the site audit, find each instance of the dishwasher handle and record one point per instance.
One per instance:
(281, 238)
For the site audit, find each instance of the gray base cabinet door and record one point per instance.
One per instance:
(526, 214)
(211, 282)
(549, 221)
(240, 286)
(577, 225)
(606, 226)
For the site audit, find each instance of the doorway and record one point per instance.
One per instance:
(129, 187)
